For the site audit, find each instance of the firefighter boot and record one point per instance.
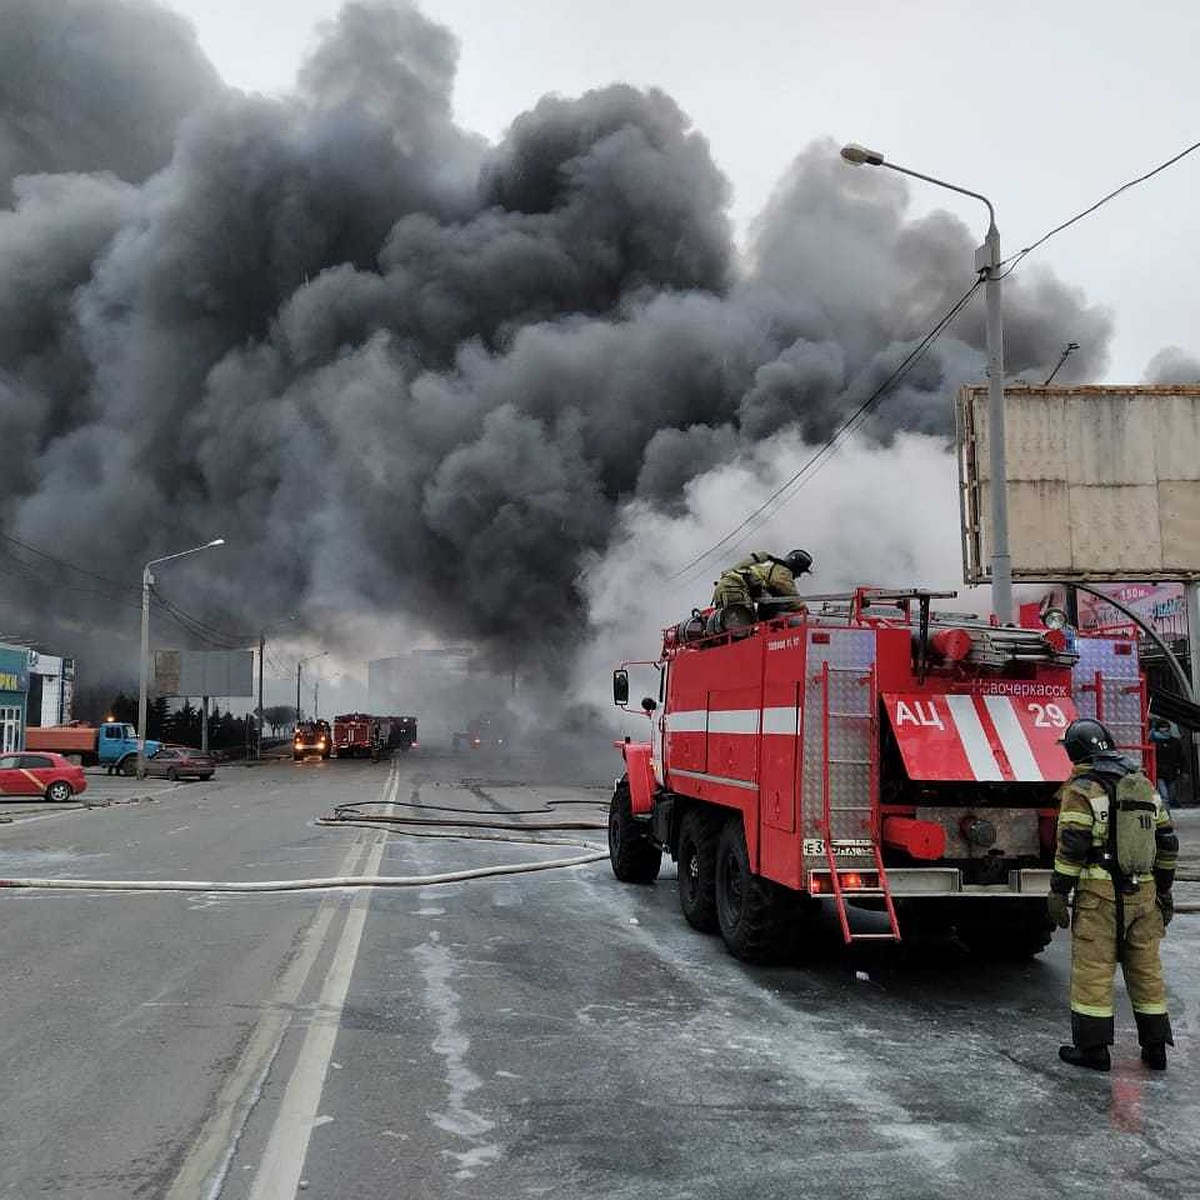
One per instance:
(1095, 1058)
(1155, 1056)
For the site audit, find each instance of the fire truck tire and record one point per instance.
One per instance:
(749, 911)
(697, 858)
(1007, 931)
(635, 859)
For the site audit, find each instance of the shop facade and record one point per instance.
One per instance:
(14, 696)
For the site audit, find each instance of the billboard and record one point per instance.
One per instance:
(204, 672)
(1103, 482)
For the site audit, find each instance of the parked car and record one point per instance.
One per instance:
(40, 774)
(180, 762)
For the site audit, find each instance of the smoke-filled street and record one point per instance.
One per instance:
(531, 1034)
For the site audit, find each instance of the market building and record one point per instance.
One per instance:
(14, 695)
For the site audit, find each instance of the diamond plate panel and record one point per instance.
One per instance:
(1120, 678)
(850, 654)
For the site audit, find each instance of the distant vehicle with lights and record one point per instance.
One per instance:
(487, 731)
(868, 749)
(312, 737)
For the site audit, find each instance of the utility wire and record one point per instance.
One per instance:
(789, 487)
(1012, 261)
(114, 591)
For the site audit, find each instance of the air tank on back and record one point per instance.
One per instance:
(691, 630)
(730, 618)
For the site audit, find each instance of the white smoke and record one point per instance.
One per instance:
(870, 516)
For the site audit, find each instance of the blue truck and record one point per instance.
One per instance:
(113, 745)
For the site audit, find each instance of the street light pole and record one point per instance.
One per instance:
(262, 649)
(299, 663)
(144, 663)
(987, 263)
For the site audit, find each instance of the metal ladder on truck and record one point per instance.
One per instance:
(842, 732)
(1127, 727)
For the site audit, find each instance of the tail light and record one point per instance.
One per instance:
(850, 881)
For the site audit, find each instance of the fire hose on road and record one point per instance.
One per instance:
(352, 814)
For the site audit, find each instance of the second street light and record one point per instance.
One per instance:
(299, 664)
(144, 665)
(987, 263)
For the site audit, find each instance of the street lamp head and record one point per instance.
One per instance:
(216, 542)
(861, 156)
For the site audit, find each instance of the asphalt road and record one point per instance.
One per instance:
(542, 1034)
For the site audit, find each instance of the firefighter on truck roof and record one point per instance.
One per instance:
(1116, 850)
(761, 574)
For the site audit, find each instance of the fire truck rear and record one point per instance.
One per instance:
(355, 735)
(871, 751)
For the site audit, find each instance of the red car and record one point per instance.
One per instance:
(180, 762)
(42, 774)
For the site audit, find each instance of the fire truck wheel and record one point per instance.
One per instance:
(635, 859)
(697, 857)
(749, 911)
(1006, 931)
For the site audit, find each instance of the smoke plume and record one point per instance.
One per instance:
(409, 373)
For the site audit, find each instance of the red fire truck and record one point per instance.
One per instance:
(355, 735)
(360, 734)
(869, 750)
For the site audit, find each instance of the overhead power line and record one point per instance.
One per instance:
(111, 590)
(782, 494)
(1011, 262)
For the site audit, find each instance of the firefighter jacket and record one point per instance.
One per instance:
(755, 576)
(1116, 917)
(1083, 854)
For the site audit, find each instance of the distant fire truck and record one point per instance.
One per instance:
(871, 751)
(362, 735)
(312, 737)
(354, 735)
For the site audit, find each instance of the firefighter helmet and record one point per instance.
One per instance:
(799, 562)
(1084, 739)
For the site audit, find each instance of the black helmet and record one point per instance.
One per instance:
(799, 562)
(1084, 739)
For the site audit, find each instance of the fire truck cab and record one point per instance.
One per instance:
(871, 750)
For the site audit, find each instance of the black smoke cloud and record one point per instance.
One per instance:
(95, 85)
(409, 373)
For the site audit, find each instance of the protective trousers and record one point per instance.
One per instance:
(731, 588)
(1094, 961)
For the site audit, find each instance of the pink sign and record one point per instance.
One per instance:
(1160, 605)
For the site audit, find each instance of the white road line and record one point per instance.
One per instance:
(203, 1171)
(279, 1173)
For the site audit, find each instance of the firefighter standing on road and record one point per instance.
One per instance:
(761, 574)
(1116, 849)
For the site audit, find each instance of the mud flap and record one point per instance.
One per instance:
(640, 768)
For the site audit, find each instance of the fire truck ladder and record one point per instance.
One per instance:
(845, 730)
(1121, 717)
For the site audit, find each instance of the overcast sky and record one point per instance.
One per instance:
(1043, 107)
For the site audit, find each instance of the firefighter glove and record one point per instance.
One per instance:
(1166, 906)
(1059, 911)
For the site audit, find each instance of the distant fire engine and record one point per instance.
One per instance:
(869, 750)
(363, 735)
